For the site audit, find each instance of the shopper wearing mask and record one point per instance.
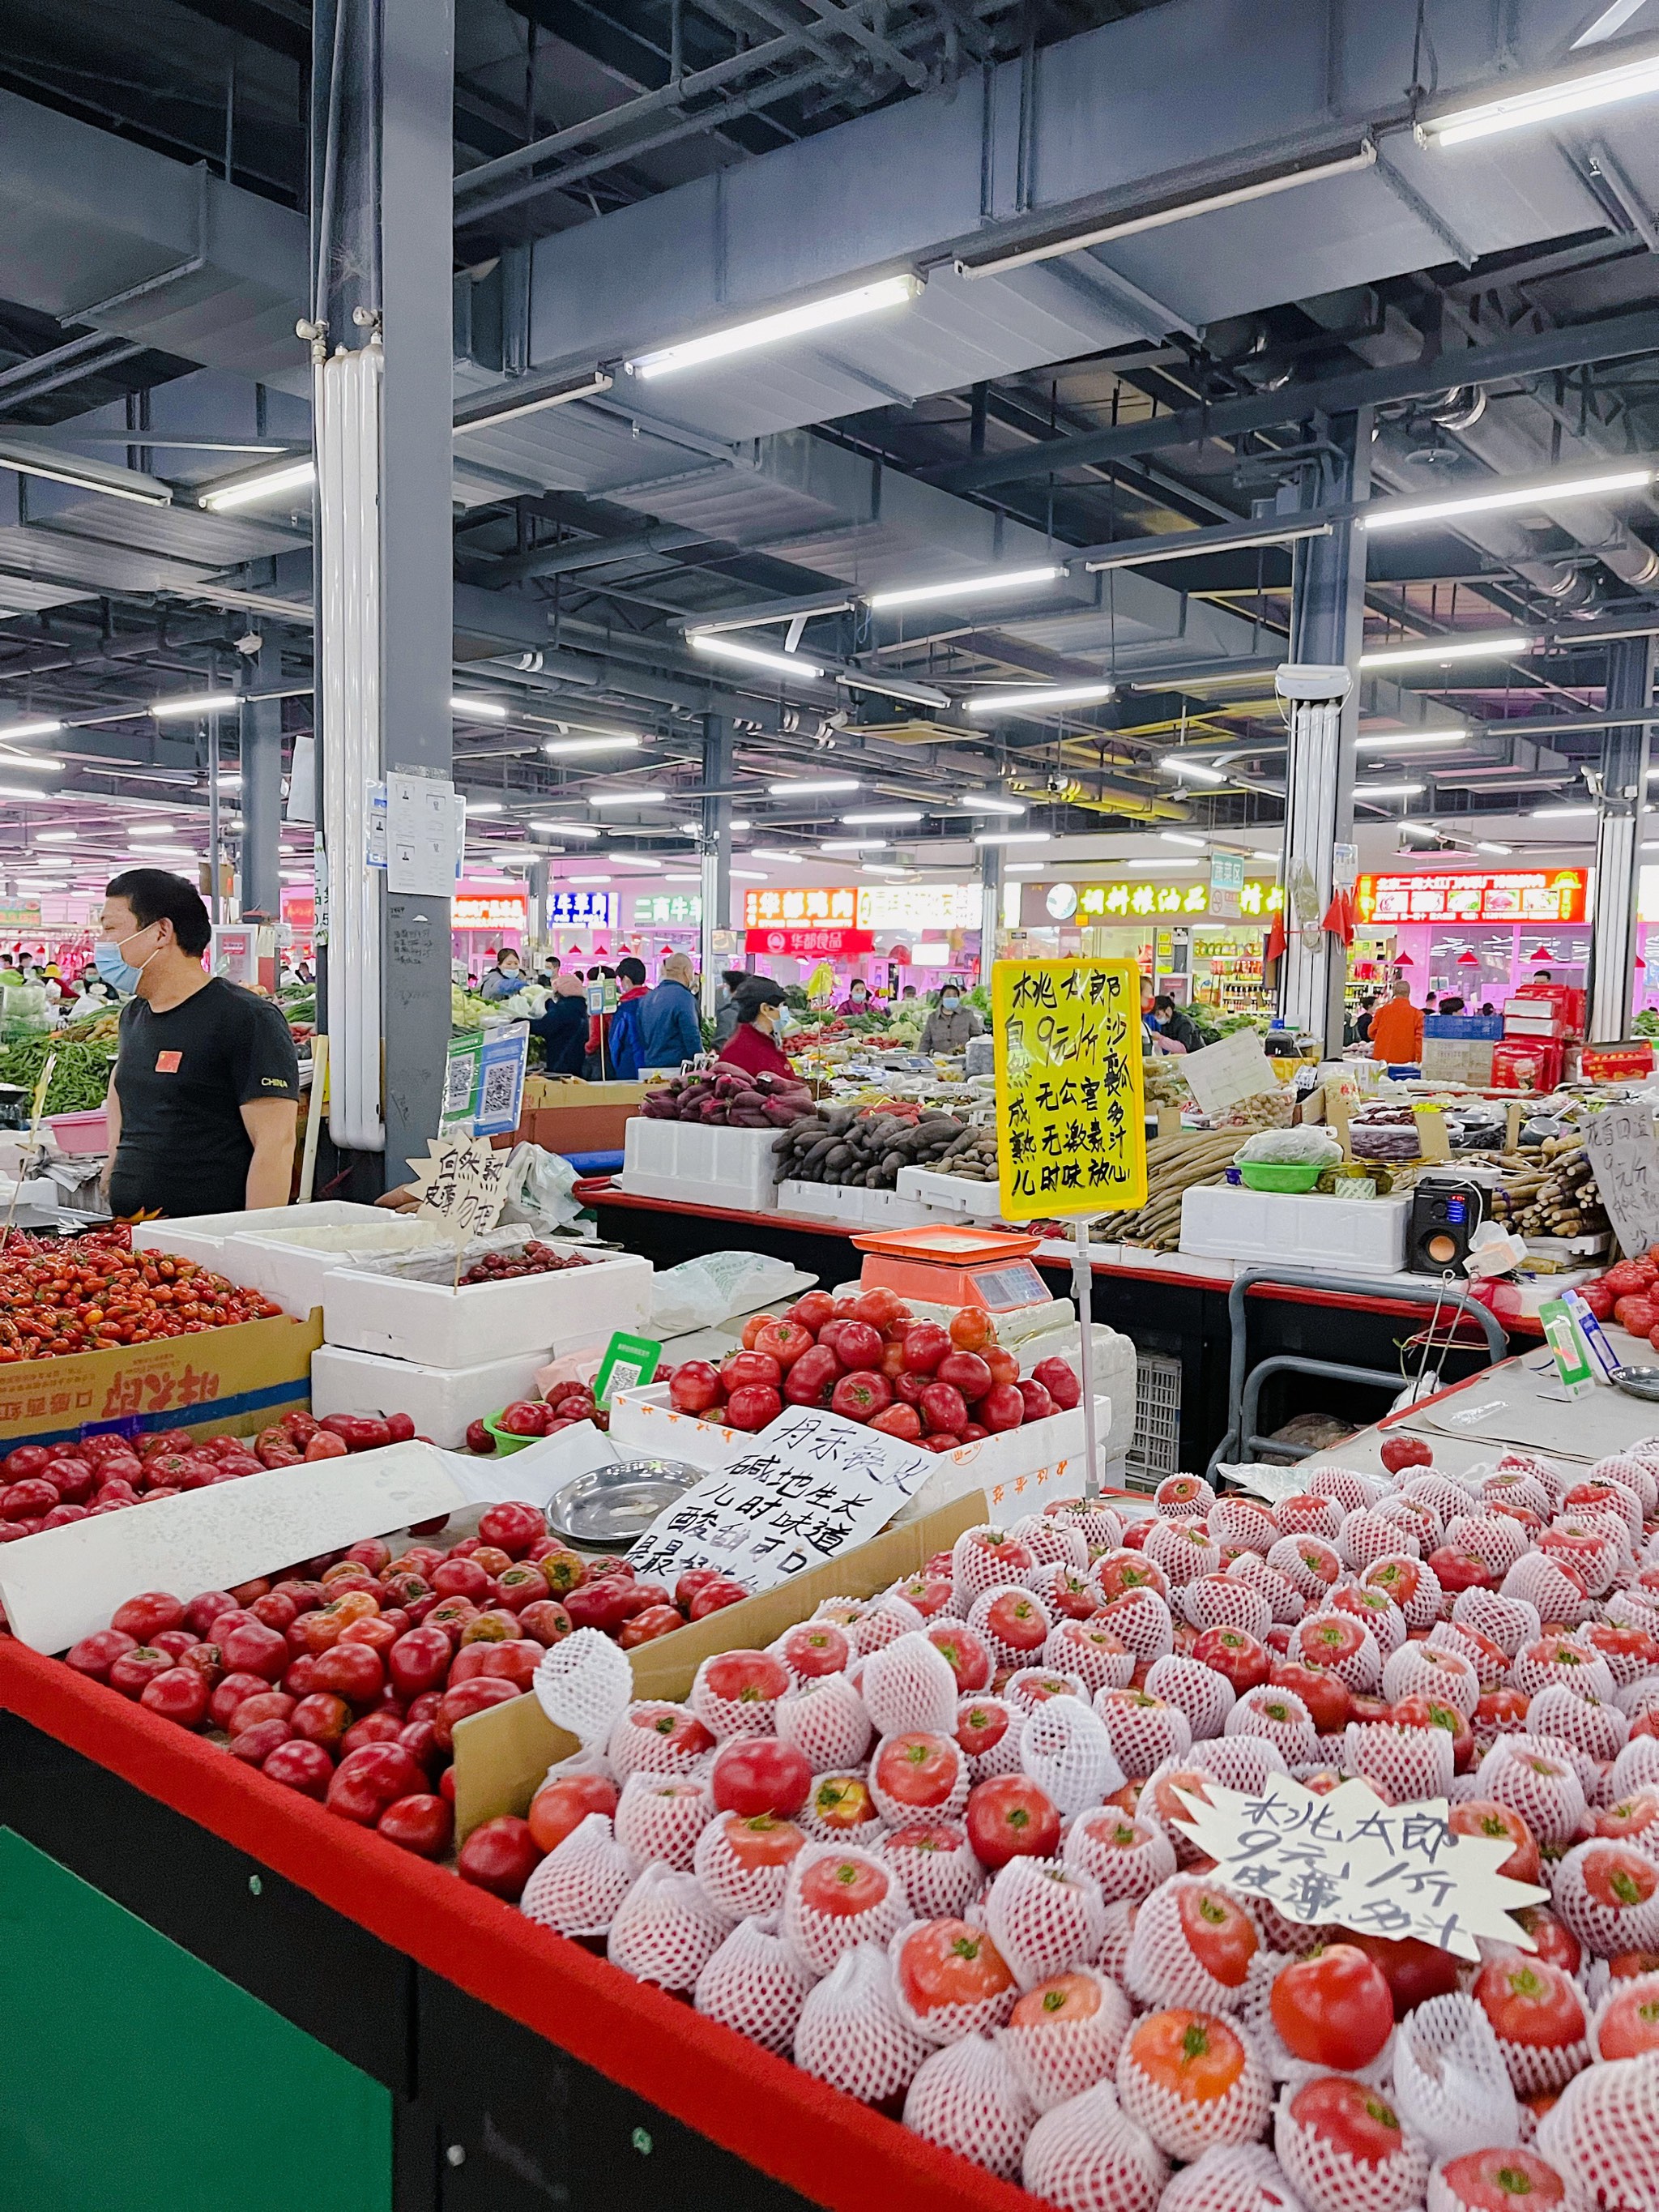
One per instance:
(725, 1003)
(204, 1099)
(562, 1026)
(506, 978)
(623, 1058)
(1177, 1025)
(951, 1025)
(857, 1000)
(763, 1020)
(669, 1028)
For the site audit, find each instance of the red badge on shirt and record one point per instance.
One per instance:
(166, 1063)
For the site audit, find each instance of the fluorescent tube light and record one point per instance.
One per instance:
(561, 746)
(781, 664)
(750, 876)
(193, 703)
(587, 879)
(1545, 103)
(483, 805)
(1040, 697)
(1180, 837)
(1503, 851)
(42, 764)
(813, 785)
(1388, 790)
(266, 483)
(588, 385)
(986, 802)
(1408, 741)
(1190, 545)
(1008, 579)
(1486, 502)
(22, 730)
(1496, 645)
(773, 329)
(565, 828)
(1562, 814)
(477, 709)
(1418, 829)
(891, 687)
(628, 798)
(54, 470)
(1189, 771)
(635, 861)
(57, 836)
(881, 814)
(1012, 837)
(773, 852)
(1026, 867)
(856, 845)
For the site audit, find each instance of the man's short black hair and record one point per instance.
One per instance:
(155, 895)
(630, 971)
(732, 977)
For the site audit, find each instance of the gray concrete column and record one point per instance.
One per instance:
(990, 907)
(537, 885)
(1327, 628)
(262, 785)
(716, 850)
(1619, 841)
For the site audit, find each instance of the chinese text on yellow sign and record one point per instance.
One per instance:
(1071, 1117)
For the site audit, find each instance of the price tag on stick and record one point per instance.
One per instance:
(462, 1185)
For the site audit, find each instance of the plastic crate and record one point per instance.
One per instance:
(1156, 1451)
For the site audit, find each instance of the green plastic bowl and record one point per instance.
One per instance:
(1279, 1174)
(506, 1445)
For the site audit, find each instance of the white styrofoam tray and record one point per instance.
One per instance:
(204, 1236)
(941, 1192)
(287, 1268)
(1350, 1235)
(440, 1400)
(549, 1315)
(700, 1163)
(855, 1204)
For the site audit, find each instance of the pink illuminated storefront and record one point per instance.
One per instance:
(1477, 934)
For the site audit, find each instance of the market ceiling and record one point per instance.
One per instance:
(1065, 395)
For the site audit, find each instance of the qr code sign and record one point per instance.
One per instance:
(459, 1088)
(500, 1085)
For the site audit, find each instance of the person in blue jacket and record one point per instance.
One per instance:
(669, 1028)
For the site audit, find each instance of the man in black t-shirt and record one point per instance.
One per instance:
(204, 1099)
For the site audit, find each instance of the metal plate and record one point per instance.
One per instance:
(614, 1505)
(1638, 1381)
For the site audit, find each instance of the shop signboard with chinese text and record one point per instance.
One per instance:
(491, 910)
(1071, 1115)
(930, 909)
(668, 910)
(831, 909)
(1110, 905)
(1515, 896)
(1226, 886)
(578, 910)
(810, 944)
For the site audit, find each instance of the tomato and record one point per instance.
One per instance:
(695, 1386)
(1240, 1658)
(861, 1395)
(812, 1311)
(180, 1694)
(1630, 2026)
(1500, 2181)
(925, 1346)
(421, 1823)
(1220, 1934)
(750, 1369)
(918, 1769)
(1011, 1817)
(1483, 1816)
(1557, 1944)
(880, 1306)
(758, 1840)
(1531, 2003)
(714, 1596)
(971, 1328)
(1615, 1875)
(512, 1528)
(1349, 2117)
(842, 1801)
(1063, 1997)
(301, 1766)
(944, 1409)
(561, 1806)
(753, 1406)
(499, 1856)
(1194, 2055)
(946, 1962)
(1334, 2009)
(1433, 1712)
(755, 1774)
(966, 1372)
(980, 1726)
(1324, 1695)
(844, 1885)
(783, 1342)
(1398, 1452)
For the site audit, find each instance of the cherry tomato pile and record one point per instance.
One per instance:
(298, 1436)
(88, 1293)
(868, 1358)
(534, 1258)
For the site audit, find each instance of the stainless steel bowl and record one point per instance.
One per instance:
(613, 1506)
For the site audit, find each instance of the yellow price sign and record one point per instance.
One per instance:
(1071, 1114)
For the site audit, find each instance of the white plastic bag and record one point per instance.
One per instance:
(701, 1293)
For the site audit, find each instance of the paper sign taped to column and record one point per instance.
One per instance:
(1393, 1870)
(423, 840)
(814, 1485)
(1624, 1154)
(1220, 1075)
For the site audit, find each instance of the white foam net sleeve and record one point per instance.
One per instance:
(1204, 1696)
(1003, 1756)
(1186, 2127)
(1322, 1640)
(850, 2033)
(1310, 1564)
(1066, 1750)
(1094, 1653)
(751, 1984)
(1603, 1992)
(1144, 1732)
(1285, 1603)
(1607, 1929)
(1543, 1584)
(664, 1930)
(826, 1721)
(1304, 1515)
(1449, 2191)
(1414, 1516)
(1350, 1490)
(728, 1716)
(1027, 1687)
(818, 1938)
(1603, 2135)
(911, 1749)
(1444, 1494)
(1240, 1762)
(1020, 1613)
(1541, 1786)
(660, 1816)
(951, 2020)
(1088, 2155)
(1489, 1659)
(968, 2098)
(1140, 1619)
(984, 1558)
(1183, 1497)
(1162, 1967)
(1184, 1549)
(1577, 1666)
(1127, 1856)
(1055, 1540)
(1069, 1593)
(1451, 2085)
(578, 1886)
(1396, 1574)
(1057, 2051)
(1127, 1569)
(1379, 1616)
(583, 1684)
(941, 1875)
(1637, 1767)
(908, 1684)
(1046, 1917)
(1370, 1535)
(887, 1619)
(1224, 1601)
(1281, 1718)
(1245, 1524)
(1404, 1763)
(1421, 1670)
(642, 1741)
(1329, 2180)
(1536, 2068)
(1595, 1726)
(1101, 1525)
(734, 1885)
(1235, 2178)
(1636, 1471)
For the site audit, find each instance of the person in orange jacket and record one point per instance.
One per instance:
(1397, 1028)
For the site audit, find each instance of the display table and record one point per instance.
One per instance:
(1170, 1305)
(488, 2065)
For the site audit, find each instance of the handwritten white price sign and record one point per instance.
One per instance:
(462, 1183)
(1393, 1870)
(814, 1485)
(1625, 1153)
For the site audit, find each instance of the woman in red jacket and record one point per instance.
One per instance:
(753, 1044)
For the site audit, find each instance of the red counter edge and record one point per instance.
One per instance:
(800, 2131)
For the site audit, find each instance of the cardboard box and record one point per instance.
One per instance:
(235, 1380)
(570, 1090)
(1453, 1059)
(502, 1754)
(579, 1127)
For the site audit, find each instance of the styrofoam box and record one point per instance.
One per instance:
(853, 1203)
(1039, 1461)
(440, 1400)
(1350, 1235)
(549, 1315)
(203, 1236)
(293, 1273)
(700, 1165)
(941, 1192)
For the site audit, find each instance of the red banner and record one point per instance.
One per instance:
(810, 944)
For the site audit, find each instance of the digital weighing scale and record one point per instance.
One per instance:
(955, 1265)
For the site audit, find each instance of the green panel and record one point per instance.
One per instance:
(133, 2076)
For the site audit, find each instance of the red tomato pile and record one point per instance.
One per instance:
(867, 1357)
(534, 1258)
(88, 1293)
(1627, 1293)
(858, 1846)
